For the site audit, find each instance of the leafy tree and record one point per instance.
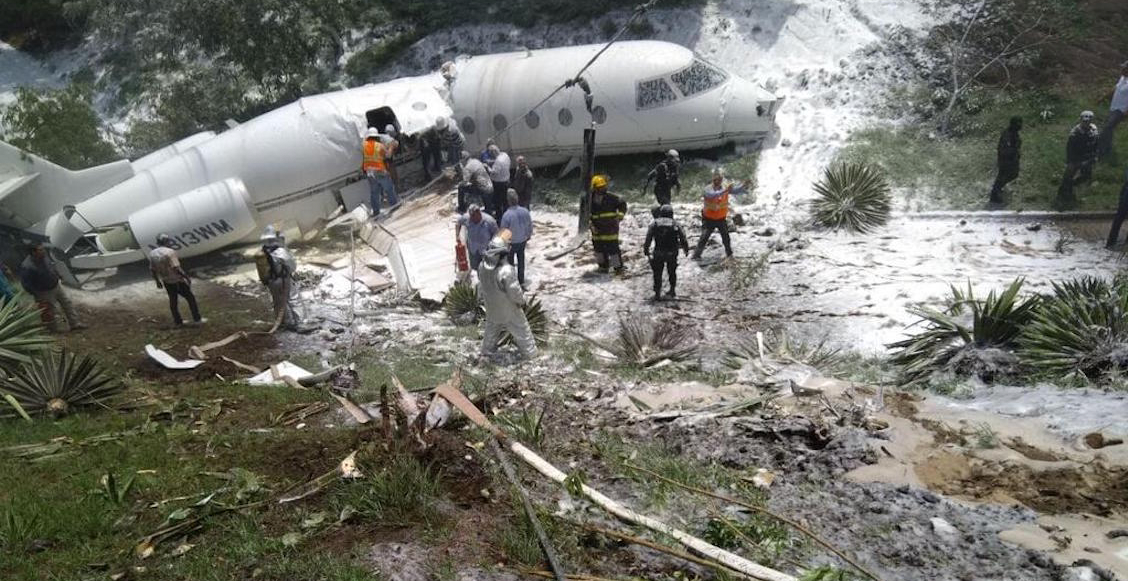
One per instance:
(59, 125)
(41, 25)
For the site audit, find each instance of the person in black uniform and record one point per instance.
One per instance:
(1009, 152)
(1121, 214)
(667, 236)
(665, 177)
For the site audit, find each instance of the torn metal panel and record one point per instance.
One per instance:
(418, 242)
(168, 361)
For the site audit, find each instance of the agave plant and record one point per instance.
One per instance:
(642, 342)
(58, 382)
(462, 299)
(781, 346)
(851, 196)
(21, 334)
(980, 342)
(538, 322)
(1082, 328)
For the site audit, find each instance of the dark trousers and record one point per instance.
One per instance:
(607, 254)
(176, 290)
(670, 264)
(1008, 172)
(707, 228)
(1076, 173)
(1121, 214)
(517, 258)
(432, 161)
(499, 203)
(662, 194)
(469, 194)
(1104, 142)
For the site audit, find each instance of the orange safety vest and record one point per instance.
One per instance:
(374, 156)
(716, 207)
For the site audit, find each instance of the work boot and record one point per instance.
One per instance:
(672, 294)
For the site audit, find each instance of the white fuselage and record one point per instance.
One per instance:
(296, 163)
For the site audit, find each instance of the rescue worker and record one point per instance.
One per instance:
(476, 186)
(523, 182)
(431, 153)
(714, 214)
(164, 265)
(499, 166)
(392, 148)
(1116, 112)
(665, 176)
(1080, 155)
(1121, 214)
(1008, 153)
(503, 298)
(450, 140)
(375, 168)
(279, 278)
(607, 210)
(519, 222)
(40, 278)
(480, 229)
(667, 236)
(6, 292)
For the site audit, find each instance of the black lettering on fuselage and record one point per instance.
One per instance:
(222, 226)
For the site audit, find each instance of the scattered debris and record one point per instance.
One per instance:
(278, 373)
(168, 361)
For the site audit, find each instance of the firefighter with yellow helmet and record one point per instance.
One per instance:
(607, 210)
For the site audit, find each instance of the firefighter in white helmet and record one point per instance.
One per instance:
(502, 295)
(277, 272)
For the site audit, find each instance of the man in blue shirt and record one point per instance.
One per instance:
(519, 222)
(480, 229)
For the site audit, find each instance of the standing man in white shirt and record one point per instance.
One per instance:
(499, 165)
(1116, 113)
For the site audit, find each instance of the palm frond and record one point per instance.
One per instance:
(58, 382)
(781, 346)
(538, 322)
(851, 196)
(461, 299)
(641, 342)
(21, 334)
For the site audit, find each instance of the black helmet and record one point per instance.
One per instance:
(665, 211)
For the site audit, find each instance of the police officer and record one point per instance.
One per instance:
(667, 236)
(1009, 151)
(1121, 214)
(665, 176)
(1080, 155)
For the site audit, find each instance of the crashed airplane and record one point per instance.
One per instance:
(297, 164)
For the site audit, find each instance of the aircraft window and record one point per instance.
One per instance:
(532, 120)
(500, 122)
(698, 78)
(599, 114)
(654, 93)
(564, 117)
(468, 126)
(419, 106)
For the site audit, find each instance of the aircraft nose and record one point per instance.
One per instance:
(750, 110)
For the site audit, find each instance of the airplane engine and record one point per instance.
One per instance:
(199, 221)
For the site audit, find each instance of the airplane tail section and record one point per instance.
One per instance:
(33, 188)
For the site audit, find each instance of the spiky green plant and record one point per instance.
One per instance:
(851, 196)
(643, 343)
(980, 342)
(1082, 328)
(538, 322)
(58, 382)
(526, 425)
(21, 334)
(462, 298)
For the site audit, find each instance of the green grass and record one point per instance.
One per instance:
(957, 173)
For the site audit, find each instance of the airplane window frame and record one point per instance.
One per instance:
(468, 126)
(532, 120)
(564, 117)
(663, 100)
(500, 122)
(692, 86)
(599, 114)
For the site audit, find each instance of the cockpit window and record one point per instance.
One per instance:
(697, 78)
(654, 93)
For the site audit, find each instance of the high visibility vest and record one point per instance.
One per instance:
(716, 207)
(374, 156)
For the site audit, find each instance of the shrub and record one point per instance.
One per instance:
(58, 382)
(851, 196)
(1081, 329)
(979, 344)
(59, 125)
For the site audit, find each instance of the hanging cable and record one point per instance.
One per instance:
(576, 79)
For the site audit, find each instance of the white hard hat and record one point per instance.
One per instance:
(371, 133)
(1087, 115)
(497, 247)
(672, 153)
(441, 122)
(269, 234)
(390, 129)
(718, 172)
